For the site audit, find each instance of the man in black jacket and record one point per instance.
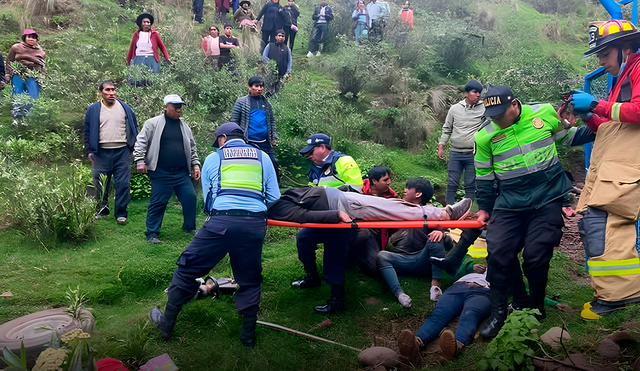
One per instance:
(278, 51)
(321, 18)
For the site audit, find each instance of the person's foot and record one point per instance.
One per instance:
(460, 209)
(405, 300)
(449, 345)
(435, 293)
(309, 55)
(154, 240)
(121, 220)
(409, 346)
(248, 331)
(104, 211)
(318, 54)
(156, 316)
(491, 327)
(307, 282)
(332, 306)
(192, 232)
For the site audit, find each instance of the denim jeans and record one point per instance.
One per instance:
(163, 184)
(470, 303)
(459, 161)
(30, 85)
(318, 36)
(417, 264)
(358, 31)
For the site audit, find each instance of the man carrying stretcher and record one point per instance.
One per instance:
(330, 205)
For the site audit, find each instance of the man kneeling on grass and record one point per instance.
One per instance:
(330, 205)
(468, 298)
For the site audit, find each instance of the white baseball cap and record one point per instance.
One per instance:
(173, 98)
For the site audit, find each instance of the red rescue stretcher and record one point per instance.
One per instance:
(429, 224)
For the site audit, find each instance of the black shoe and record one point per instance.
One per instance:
(248, 331)
(332, 306)
(156, 316)
(104, 211)
(460, 209)
(492, 325)
(307, 282)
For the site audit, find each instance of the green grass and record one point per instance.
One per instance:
(125, 277)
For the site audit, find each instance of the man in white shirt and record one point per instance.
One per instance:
(379, 14)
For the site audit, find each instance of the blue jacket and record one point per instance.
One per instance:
(92, 127)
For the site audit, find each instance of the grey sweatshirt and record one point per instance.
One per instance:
(461, 124)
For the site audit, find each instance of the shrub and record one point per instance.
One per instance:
(140, 186)
(48, 204)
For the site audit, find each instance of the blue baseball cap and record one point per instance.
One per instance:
(228, 129)
(315, 140)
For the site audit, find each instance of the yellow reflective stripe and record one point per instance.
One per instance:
(613, 263)
(617, 272)
(615, 111)
(241, 176)
(477, 252)
(598, 268)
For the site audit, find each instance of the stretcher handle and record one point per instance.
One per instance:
(430, 224)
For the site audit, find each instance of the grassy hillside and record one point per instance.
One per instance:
(382, 104)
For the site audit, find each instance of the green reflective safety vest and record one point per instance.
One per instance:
(522, 160)
(340, 171)
(241, 171)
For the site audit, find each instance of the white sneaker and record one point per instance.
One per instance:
(436, 293)
(309, 55)
(318, 54)
(405, 300)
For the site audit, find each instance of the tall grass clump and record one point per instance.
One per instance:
(48, 204)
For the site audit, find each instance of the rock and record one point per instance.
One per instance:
(636, 365)
(608, 349)
(580, 360)
(6, 294)
(619, 336)
(630, 326)
(552, 337)
(379, 356)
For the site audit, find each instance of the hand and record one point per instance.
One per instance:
(483, 217)
(2, 84)
(583, 101)
(92, 157)
(195, 173)
(441, 151)
(435, 236)
(344, 217)
(141, 168)
(479, 268)
(274, 142)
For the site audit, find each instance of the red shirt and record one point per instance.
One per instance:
(366, 189)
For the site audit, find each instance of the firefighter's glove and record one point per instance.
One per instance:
(583, 102)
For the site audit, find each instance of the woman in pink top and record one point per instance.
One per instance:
(211, 46)
(145, 44)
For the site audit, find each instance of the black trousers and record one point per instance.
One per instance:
(535, 231)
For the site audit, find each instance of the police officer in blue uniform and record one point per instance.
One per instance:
(238, 182)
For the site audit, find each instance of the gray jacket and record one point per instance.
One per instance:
(461, 125)
(147, 145)
(242, 112)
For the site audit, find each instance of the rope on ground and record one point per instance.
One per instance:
(302, 334)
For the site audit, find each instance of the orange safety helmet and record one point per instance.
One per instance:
(605, 34)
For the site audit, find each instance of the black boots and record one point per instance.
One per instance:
(492, 325)
(248, 331)
(335, 304)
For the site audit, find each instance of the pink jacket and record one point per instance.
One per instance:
(156, 42)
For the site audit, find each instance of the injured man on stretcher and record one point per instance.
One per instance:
(330, 205)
